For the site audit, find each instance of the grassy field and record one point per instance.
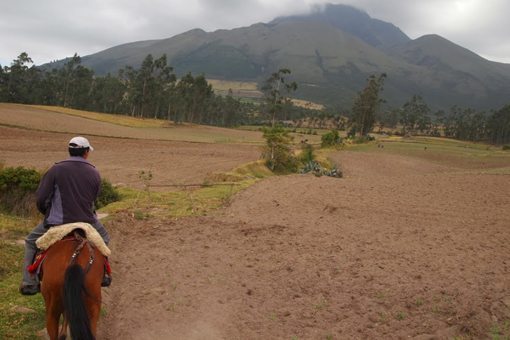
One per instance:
(465, 155)
(21, 317)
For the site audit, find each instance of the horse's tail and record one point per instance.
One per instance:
(74, 294)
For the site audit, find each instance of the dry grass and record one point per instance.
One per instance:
(63, 120)
(108, 118)
(307, 104)
(461, 154)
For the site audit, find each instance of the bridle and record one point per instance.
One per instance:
(83, 241)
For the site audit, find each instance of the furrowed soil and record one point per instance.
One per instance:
(398, 248)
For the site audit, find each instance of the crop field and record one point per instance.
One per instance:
(412, 242)
(54, 119)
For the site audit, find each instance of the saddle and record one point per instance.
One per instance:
(57, 233)
(66, 232)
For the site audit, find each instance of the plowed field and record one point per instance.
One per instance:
(399, 248)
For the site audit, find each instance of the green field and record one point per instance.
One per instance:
(480, 157)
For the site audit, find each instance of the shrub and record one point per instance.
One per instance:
(330, 139)
(318, 170)
(363, 139)
(307, 155)
(506, 147)
(17, 190)
(277, 153)
(107, 195)
(18, 186)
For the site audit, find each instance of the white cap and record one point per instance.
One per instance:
(80, 143)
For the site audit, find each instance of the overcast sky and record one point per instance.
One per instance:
(54, 29)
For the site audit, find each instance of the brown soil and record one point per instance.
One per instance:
(399, 248)
(121, 159)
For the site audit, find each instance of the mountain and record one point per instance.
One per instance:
(330, 52)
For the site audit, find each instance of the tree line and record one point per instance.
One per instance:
(415, 116)
(151, 91)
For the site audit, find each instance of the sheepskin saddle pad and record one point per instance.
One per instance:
(57, 233)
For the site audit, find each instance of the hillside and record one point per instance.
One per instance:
(330, 52)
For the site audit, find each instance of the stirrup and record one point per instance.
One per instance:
(107, 280)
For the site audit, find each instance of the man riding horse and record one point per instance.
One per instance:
(66, 194)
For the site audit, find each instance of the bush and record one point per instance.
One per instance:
(307, 155)
(363, 139)
(277, 153)
(318, 170)
(18, 186)
(17, 190)
(506, 147)
(107, 195)
(330, 139)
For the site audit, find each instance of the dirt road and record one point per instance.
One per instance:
(399, 248)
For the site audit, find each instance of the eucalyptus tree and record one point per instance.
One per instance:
(466, 124)
(108, 94)
(367, 103)
(276, 91)
(415, 115)
(148, 87)
(3, 85)
(498, 126)
(193, 95)
(20, 80)
(67, 75)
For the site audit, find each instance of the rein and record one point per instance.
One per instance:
(83, 241)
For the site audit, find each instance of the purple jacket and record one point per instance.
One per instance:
(67, 192)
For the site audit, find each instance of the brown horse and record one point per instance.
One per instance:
(71, 287)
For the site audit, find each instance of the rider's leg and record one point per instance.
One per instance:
(102, 231)
(30, 282)
(107, 279)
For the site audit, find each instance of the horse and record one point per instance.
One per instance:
(71, 287)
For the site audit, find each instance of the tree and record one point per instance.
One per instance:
(193, 95)
(148, 87)
(415, 115)
(366, 104)
(20, 80)
(499, 126)
(276, 90)
(67, 76)
(3, 85)
(466, 124)
(107, 94)
(277, 153)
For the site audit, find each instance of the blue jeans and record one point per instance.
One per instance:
(31, 249)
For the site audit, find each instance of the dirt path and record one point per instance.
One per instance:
(399, 248)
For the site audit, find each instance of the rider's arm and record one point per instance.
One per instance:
(45, 191)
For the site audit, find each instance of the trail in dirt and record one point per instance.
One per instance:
(398, 248)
